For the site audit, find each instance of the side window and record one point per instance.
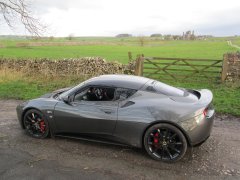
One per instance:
(123, 93)
(95, 94)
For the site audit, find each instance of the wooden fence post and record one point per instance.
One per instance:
(129, 56)
(136, 66)
(224, 68)
(139, 65)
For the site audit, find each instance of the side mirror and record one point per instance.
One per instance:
(66, 99)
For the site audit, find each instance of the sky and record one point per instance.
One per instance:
(136, 17)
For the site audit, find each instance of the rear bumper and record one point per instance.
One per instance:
(199, 128)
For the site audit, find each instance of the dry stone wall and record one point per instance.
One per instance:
(233, 67)
(90, 66)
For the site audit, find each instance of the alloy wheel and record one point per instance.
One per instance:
(35, 124)
(165, 142)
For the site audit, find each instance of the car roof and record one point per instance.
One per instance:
(119, 80)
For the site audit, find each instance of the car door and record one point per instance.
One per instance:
(93, 117)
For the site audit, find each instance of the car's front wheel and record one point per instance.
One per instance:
(165, 142)
(36, 124)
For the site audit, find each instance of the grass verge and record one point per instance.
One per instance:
(16, 85)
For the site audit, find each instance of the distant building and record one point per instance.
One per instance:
(168, 37)
(177, 37)
(156, 35)
(188, 35)
(123, 35)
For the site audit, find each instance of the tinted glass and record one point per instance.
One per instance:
(168, 90)
(95, 94)
(124, 93)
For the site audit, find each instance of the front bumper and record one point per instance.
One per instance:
(20, 111)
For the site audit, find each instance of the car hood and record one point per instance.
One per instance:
(58, 91)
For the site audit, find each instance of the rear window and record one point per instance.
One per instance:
(168, 90)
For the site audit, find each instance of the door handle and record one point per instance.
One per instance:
(107, 111)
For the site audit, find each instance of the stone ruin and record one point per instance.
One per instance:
(189, 35)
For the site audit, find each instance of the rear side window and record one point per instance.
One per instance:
(124, 93)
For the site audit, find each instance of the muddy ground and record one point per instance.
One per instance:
(23, 157)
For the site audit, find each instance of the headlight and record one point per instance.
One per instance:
(24, 103)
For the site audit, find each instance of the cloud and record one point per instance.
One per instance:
(139, 17)
(220, 30)
(63, 5)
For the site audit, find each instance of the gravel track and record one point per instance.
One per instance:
(24, 157)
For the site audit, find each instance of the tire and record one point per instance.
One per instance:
(165, 142)
(199, 144)
(36, 124)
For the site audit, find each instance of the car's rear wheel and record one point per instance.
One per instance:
(165, 142)
(36, 124)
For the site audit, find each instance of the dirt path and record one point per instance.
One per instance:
(22, 156)
(233, 45)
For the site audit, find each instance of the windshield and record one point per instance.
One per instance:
(71, 90)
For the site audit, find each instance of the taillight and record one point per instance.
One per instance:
(205, 111)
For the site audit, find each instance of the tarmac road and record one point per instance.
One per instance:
(23, 157)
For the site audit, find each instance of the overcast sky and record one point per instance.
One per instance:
(137, 17)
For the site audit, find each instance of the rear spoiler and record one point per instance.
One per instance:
(206, 97)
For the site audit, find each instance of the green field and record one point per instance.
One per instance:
(115, 48)
(17, 86)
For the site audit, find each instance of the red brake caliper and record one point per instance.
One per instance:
(42, 126)
(155, 140)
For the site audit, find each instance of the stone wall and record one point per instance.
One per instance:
(90, 66)
(233, 66)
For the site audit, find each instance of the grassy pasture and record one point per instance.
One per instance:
(18, 86)
(114, 48)
(236, 41)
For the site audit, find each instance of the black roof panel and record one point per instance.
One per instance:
(119, 80)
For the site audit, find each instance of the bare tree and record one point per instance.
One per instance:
(70, 37)
(14, 10)
(142, 40)
(51, 38)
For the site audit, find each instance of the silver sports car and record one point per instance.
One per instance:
(126, 110)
